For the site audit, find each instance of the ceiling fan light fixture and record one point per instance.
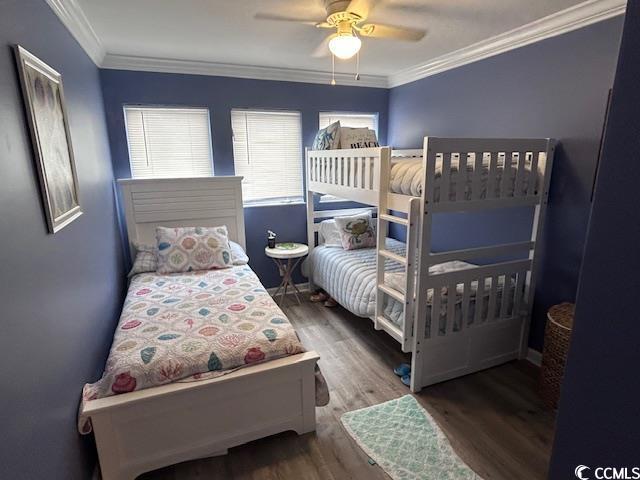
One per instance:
(345, 46)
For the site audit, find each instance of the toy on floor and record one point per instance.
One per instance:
(404, 372)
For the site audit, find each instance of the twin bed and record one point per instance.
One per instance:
(456, 311)
(201, 361)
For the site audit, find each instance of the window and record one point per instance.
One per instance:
(168, 142)
(353, 120)
(267, 152)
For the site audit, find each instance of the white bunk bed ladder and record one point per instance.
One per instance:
(403, 333)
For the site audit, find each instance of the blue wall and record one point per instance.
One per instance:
(555, 88)
(220, 95)
(60, 294)
(598, 422)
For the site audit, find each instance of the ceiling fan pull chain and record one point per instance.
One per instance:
(333, 69)
(358, 66)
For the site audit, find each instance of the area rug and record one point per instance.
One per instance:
(401, 437)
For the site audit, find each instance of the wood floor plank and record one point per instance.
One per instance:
(494, 419)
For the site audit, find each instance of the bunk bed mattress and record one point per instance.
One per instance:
(191, 326)
(349, 276)
(406, 178)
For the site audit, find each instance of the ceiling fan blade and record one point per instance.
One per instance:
(377, 30)
(281, 18)
(360, 7)
(322, 50)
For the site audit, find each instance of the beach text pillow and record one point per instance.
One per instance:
(358, 138)
(187, 249)
(356, 231)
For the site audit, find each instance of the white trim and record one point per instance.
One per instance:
(71, 15)
(149, 64)
(303, 287)
(535, 357)
(572, 18)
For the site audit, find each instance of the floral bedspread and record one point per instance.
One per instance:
(190, 326)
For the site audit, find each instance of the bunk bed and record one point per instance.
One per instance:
(456, 311)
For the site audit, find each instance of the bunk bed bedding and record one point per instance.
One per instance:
(191, 326)
(406, 178)
(349, 276)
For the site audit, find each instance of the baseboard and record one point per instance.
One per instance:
(535, 357)
(303, 287)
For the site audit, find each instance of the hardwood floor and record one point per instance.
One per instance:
(494, 419)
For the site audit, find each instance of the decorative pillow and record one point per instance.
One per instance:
(358, 138)
(192, 248)
(328, 138)
(356, 231)
(330, 234)
(147, 260)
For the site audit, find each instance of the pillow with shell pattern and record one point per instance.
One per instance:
(146, 260)
(186, 249)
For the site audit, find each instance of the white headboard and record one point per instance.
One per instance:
(182, 202)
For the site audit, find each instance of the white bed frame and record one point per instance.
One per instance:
(148, 429)
(362, 175)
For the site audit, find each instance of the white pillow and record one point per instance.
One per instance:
(330, 233)
(238, 255)
(357, 138)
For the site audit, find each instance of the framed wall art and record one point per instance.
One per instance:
(49, 127)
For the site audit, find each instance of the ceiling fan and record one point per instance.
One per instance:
(348, 18)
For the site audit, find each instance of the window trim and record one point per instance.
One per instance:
(168, 107)
(301, 200)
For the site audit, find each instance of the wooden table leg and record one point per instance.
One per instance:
(286, 271)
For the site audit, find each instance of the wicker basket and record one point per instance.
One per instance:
(557, 336)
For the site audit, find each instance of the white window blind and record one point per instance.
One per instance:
(267, 152)
(353, 120)
(168, 142)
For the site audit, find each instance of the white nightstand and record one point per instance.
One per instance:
(292, 253)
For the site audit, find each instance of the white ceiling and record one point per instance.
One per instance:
(225, 31)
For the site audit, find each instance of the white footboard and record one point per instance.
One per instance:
(149, 429)
(481, 327)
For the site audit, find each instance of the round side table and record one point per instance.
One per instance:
(287, 256)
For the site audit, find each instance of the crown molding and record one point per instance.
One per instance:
(72, 16)
(572, 18)
(149, 64)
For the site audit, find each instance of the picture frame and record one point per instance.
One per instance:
(46, 114)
